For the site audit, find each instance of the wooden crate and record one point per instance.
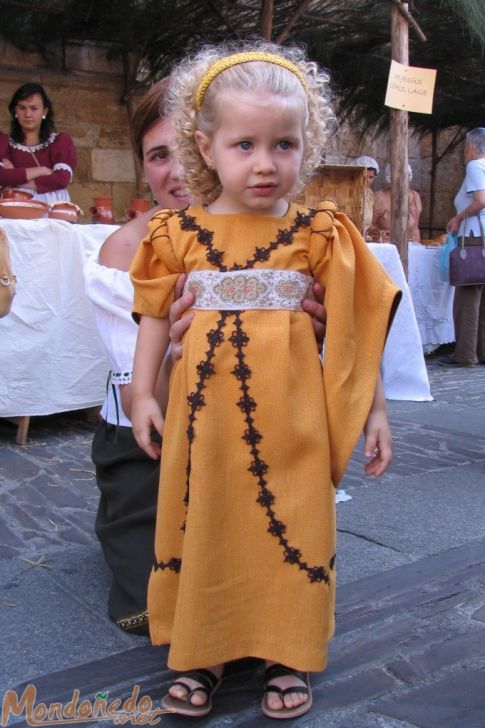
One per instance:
(342, 183)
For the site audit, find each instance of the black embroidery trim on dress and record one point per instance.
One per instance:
(332, 561)
(215, 257)
(242, 372)
(174, 564)
(196, 399)
(258, 467)
(205, 237)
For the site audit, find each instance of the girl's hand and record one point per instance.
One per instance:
(179, 324)
(7, 163)
(145, 415)
(377, 444)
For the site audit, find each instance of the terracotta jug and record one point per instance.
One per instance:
(137, 206)
(102, 211)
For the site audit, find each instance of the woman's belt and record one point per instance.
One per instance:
(247, 289)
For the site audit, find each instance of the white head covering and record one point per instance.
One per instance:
(387, 173)
(368, 162)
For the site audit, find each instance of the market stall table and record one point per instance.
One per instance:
(52, 357)
(403, 368)
(432, 299)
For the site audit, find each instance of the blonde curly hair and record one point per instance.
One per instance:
(202, 182)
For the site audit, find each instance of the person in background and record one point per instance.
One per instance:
(381, 220)
(371, 172)
(126, 476)
(469, 301)
(34, 157)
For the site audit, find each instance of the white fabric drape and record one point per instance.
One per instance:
(52, 359)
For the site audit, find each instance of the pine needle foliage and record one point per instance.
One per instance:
(351, 39)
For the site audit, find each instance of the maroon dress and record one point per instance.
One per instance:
(57, 152)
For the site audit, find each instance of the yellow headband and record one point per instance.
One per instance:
(235, 60)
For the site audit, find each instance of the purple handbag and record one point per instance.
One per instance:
(467, 260)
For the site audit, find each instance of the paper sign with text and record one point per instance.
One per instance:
(410, 88)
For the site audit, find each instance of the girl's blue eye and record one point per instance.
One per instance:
(284, 144)
(245, 145)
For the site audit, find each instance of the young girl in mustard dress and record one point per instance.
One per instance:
(257, 433)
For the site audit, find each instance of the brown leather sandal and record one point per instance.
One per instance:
(271, 673)
(183, 706)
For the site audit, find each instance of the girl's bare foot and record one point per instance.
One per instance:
(277, 700)
(199, 697)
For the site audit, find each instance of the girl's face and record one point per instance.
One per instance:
(161, 170)
(257, 151)
(29, 113)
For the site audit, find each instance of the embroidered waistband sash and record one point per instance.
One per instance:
(248, 289)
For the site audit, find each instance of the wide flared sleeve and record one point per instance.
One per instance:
(360, 300)
(155, 268)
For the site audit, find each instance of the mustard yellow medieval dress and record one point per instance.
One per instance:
(257, 436)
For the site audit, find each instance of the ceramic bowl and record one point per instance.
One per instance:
(10, 193)
(22, 210)
(67, 211)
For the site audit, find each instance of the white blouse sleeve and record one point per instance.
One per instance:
(111, 294)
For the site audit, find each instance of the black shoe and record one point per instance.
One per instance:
(447, 361)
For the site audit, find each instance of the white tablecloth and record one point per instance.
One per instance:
(52, 359)
(403, 367)
(433, 299)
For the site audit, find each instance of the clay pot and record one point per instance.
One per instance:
(9, 193)
(23, 209)
(67, 211)
(137, 206)
(102, 211)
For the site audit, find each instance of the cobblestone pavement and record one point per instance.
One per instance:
(411, 604)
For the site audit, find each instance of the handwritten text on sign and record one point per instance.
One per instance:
(410, 88)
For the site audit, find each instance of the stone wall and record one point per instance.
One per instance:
(87, 105)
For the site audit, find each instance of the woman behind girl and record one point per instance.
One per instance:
(127, 478)
(34, 157)
(256, 436)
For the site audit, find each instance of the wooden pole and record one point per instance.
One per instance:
(432, 186)
(266, 18)
(399, 143)
(296, 15)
